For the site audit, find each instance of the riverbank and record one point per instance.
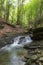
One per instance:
(8, 32)
(13, 30)
(34, 53)
(8, 38)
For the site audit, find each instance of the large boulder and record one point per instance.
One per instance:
(36, 34)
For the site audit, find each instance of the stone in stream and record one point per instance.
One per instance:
(35, 53)
(29, 62)
(21, 39)
(5, 41)
(41, 59)
(34, 57)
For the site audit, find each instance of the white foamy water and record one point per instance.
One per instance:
(19, 41)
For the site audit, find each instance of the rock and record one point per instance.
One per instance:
(21, 39)
(41, 59)
(5, 41)
(28, 62)
(35, 53)
(26, 46)
(33, 57)
(27, 57)
(24, 60)
(30, 47)
(37, 33)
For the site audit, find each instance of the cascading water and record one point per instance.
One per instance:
(21, 41)
(15, 50)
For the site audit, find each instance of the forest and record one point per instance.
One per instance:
(21, 32)
(27, 13)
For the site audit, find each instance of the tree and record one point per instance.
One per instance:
(20, 11)
(2, 9)
(8, 5)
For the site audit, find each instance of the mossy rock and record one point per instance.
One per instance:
(34, 57)
(41, 59)
(28, 62)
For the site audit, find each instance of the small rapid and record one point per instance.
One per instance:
(15, 51)
(19, 41)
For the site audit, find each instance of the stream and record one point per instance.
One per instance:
(13, 54)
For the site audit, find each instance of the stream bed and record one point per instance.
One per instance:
(13, 54)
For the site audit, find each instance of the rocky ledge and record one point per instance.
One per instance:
(6, 39)
(34, 53)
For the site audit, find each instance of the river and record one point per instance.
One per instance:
(13, 54)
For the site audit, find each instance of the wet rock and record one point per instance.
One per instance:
(35, 53)
(28, 62)
(27, 57)
(5, 41)
(21, 39)
(24, 60)
(34, 57)
(41, 59)
(37, 33)
(26, 46)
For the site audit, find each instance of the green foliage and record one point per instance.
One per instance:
(16, 12)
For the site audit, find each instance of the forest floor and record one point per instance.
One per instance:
(10, 29)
